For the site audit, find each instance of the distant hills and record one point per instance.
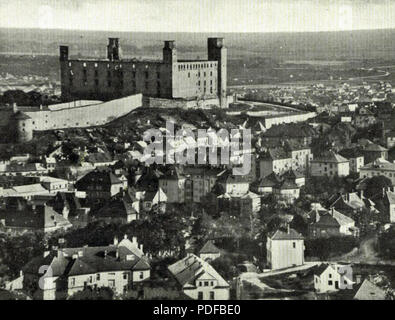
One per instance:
(344, 45)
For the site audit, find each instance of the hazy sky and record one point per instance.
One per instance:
(199, 15)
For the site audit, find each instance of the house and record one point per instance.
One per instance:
(355, 157)
(198, 279)
(100, 159)
(25, 169)
(54, 185)
(99, 185)
(333, 277)
(295, 176)
(364, 118)
(118, 266)
(330, 164)
(233, 184)
(379, 167)
(209, 251)
(349, 203)
(239, 204)
(173, 185)
(332, 223)
(265, 185)
(199, 182)
(21, 216)
(287, 190)
(121, 208)
(275, 160)
(370, 291)
(285, 249)
(374, 151)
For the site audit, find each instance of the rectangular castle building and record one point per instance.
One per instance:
(169, 78)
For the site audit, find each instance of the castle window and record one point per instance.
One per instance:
(146, 84)
(96, 82)
(133, 66)
(204, 73)
(96, 73)
(120, 66)
(146, 66)
(69, 64)
(211, 73)
(109, 83)
(95, 64)
(199, 83)
(189, 74)
(84, 64)
(108, 66)
(146, 74)
(134, 74)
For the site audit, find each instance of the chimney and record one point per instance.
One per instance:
(384, 192)
(115, 241)
(46, 253)
(332, 211)
(125, 236)
(141, 248)
(134, 240)
(105, 254)
(288, 229)
(116, 254)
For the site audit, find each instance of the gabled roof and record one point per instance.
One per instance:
(374, 148)
(330, 156)
(369, 291)
(89, 260)
(284, 235)
(327, 220)
(190, 268)
(209, 247)
(269, 181)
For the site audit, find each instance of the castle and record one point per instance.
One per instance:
(163, 80)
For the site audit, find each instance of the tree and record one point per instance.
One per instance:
(376, 184)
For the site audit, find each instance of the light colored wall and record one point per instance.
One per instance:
(80, 117)
(282, 254)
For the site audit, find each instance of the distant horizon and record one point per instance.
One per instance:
(191, 16)
(219, 32)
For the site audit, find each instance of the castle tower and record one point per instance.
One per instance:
(170, 52)
(114, 52)
(218, 52)
(64, 53)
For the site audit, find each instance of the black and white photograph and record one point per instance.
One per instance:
(197, 153)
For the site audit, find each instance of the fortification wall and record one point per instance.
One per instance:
(85, 116)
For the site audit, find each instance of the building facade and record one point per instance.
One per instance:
(169, 78)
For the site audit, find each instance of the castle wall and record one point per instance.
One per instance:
(195, 79)
(107, 80)
(87, 116)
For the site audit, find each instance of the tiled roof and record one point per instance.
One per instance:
(88, 260)
(374, 148)
(284, 235)
(209, 247)
(330, 156)
(188, 269)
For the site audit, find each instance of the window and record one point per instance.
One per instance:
(330, 282)
(96, 73)
(330, 276)
(200, 284)
(111, 283)
(206, 283)
(200, 295)
(141, 275)
(146, 74)
(134, 74)
(125, 276)
(212, 295)
(294, 244)
(72, 281)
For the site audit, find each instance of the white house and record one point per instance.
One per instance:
(70, 270)
(333, 277)
(285, 249)
(209, 251)
(330, 164)
(198, 279)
